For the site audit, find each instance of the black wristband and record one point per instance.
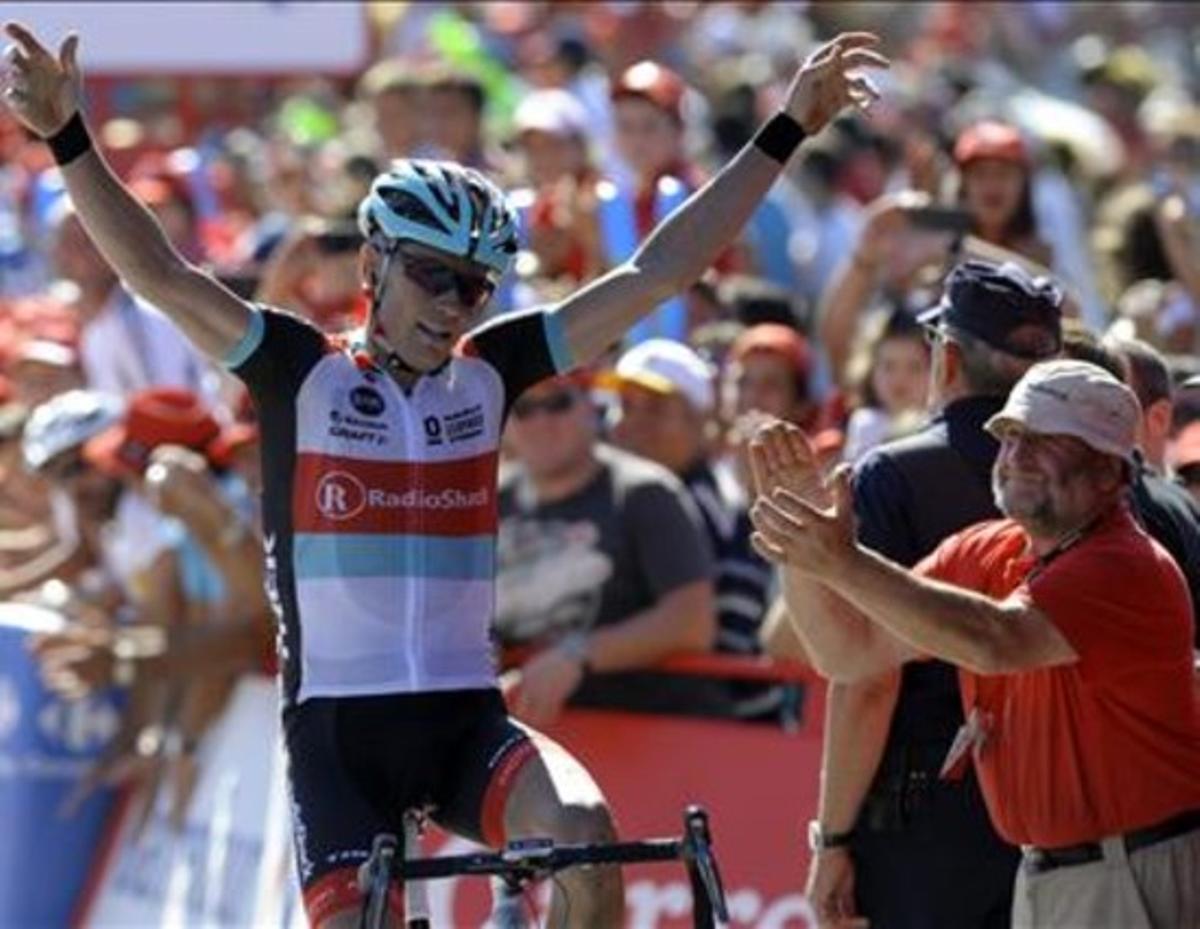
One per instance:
(779, 137)
(71, 141)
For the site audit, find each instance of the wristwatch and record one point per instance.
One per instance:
(819, 840)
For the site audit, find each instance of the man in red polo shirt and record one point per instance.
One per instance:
(1072, 630)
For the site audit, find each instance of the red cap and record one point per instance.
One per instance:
(777, 339)
(1185, 450)
(157, 416)
(991, 139)
(651, 81)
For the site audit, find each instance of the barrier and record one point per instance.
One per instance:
(46, 745)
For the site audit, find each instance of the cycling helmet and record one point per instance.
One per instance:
(445, 206)
(67, 421)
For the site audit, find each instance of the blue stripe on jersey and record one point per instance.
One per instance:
(249, 341)
(317, 555)
(556, 340)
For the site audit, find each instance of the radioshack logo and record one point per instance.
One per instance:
(340, 496)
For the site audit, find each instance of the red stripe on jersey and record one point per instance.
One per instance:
(348, 495)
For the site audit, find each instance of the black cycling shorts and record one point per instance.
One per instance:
(355, 764)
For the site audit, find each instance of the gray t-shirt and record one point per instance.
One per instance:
(613, 549)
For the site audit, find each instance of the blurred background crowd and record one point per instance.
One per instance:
(1064, 137)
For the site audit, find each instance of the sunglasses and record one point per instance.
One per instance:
(554, 404)
(436, 278)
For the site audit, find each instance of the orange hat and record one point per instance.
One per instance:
(777, 339)
(654, 82)
(991, 139)
(156, 416)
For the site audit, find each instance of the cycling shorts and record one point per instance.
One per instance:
(355, 764)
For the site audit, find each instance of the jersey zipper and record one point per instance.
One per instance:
(412, 435)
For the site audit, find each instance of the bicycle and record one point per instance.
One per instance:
(523, 861)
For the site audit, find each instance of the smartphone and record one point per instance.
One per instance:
(339, 239)
(939, 219)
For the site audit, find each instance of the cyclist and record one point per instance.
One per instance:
(379, 467)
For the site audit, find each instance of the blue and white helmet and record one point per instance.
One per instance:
(67, 421)
(445, 206)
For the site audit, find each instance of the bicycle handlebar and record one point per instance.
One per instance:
(531, 859)
(555, 859)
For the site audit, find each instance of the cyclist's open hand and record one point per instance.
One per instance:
(831, 79)
(42, 90)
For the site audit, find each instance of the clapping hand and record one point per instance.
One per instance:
(800, 521)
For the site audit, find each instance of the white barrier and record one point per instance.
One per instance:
(230, 864)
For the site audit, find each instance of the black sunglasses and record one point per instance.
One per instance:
(554, 404)
(435, 278)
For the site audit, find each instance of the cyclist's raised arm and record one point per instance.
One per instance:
(686, 242)
(44, 93)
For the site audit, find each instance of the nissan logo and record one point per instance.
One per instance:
(340, 496)
(367, 400)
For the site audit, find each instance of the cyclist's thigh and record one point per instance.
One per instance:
(501, 763)
(333, 818)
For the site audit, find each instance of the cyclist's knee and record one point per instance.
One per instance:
(576, 823)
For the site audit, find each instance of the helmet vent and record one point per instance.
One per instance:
(408, 206)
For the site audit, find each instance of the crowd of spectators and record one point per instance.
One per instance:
(1014, 142)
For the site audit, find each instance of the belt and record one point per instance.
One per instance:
(1040, 860)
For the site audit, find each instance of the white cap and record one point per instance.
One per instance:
(553, 111)
(668, 367)
(1076, 398)
(67, 421)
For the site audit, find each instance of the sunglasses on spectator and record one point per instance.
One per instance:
(436, 278)
(554, 404)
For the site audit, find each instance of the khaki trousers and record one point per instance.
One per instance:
(1157, 887)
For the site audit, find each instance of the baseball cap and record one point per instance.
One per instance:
(990, 139)
(992, 301)
(554, 111)
(1076, 398)
(776, 339)
(67, 421)
(666, 367)
(654, 82)
(156, 416)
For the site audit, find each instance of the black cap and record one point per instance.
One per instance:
(992, 301)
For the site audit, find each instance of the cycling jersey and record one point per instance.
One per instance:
(379, 503)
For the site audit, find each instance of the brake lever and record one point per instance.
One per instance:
(699, 849)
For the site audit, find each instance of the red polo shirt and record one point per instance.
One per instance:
(1110, 742)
